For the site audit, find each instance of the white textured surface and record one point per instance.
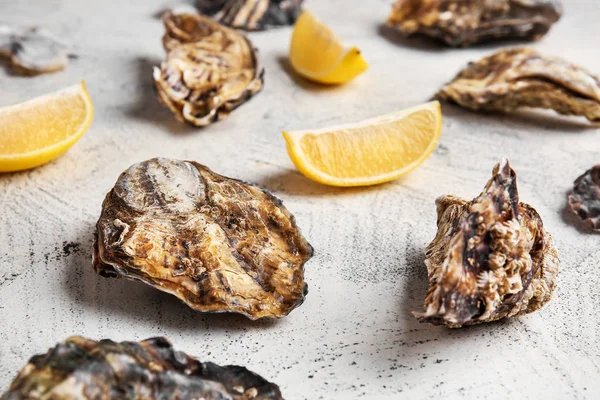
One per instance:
(354, 336)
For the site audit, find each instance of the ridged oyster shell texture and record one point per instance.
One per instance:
(210, 69)
(521, 77)
(466, 22)
(252, 15)
(491, 258)
(83, 369)
(218, 244)
(584, 199)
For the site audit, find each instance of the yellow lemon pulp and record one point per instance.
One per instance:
(317, 54)
(39, 130)
(370, 152)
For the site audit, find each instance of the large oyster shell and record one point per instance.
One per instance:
(465, 22)
(491, 258)
(252, 15)
(521, 77)
(33, 51)
(83, 369)
(585, 197)
(210, 69)
(216, 243)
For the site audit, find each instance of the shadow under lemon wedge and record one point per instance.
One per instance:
(374, 151)
(318, 55)
(39, 130)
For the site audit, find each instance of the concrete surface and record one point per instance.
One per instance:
(354, 337)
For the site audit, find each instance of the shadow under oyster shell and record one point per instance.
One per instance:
(521, 77)
(585, 197)
(210, 69)
(252, 15)
(216, 243)
(83, 369)
(466, 22)
(491, 257)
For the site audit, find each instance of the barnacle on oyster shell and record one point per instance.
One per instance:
(491, 257)
(210, 69)
(33, 51)
(521, 77)
(216, 243)
(83, 369)
(585, 197)
(466, 22)
(252, 15)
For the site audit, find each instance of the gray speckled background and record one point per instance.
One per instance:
(354, 337)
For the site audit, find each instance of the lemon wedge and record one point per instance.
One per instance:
(39, 130)
(317, 54)
(370, 152)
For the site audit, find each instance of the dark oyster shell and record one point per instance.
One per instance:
(521, 77)
(585, 197)
(210, 69)
(465, 22)
(491, 258)
(252, 15)
(218, 244)
(33, 51)
(83, 369)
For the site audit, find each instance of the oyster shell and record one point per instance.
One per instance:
(210, 69)
(6, 39)
(252, 15)
(491, 257)
(83, 369)
(218, 244)
(521, 77)
(585, 197)
(210, 7)
(466, 22)
(34, 51)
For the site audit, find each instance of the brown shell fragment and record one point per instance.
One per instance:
(33, 51)
(252, 15)
(521, 77)
(83, 369)
(491, 257)
(466, 22)
(210, 69)
(216, 243)
(585, 197)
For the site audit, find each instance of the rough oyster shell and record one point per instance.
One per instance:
(585, 197)
(218, 244)
(491, 258)
(521, 77)
(33, 51)
(252, 15)
(210, 69)
(83, 369)
(465, 22)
